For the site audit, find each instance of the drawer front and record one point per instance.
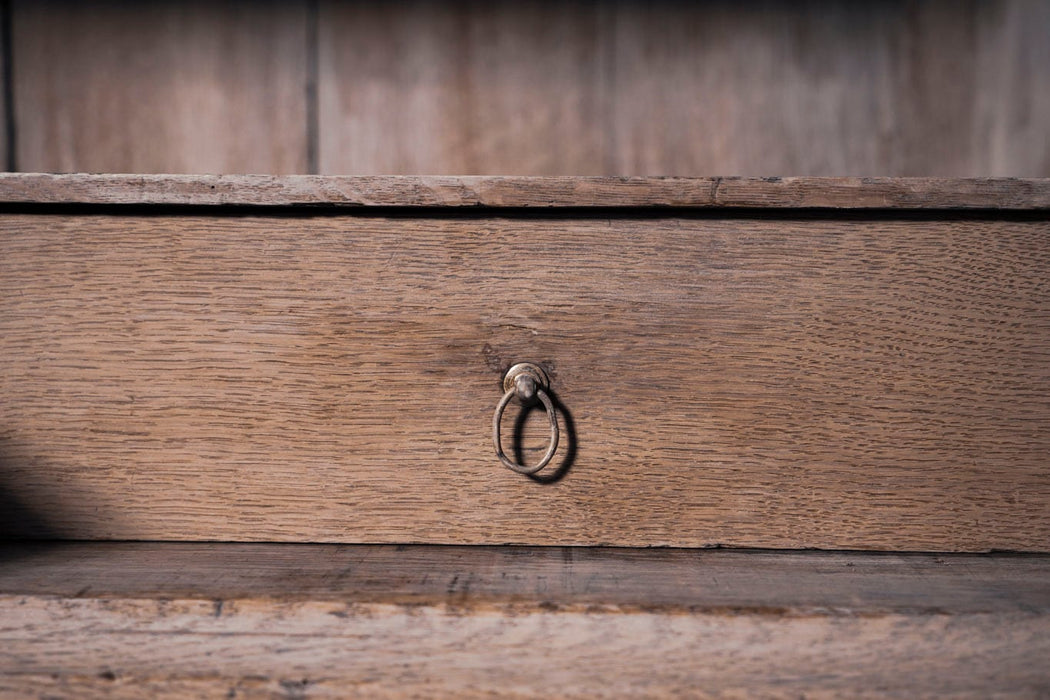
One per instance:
(861, 381)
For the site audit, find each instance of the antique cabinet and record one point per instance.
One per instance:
(243, 418)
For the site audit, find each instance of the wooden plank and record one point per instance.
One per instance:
(160, 87)
(528, 192)
(95, 648)
(536, 578)
(5, 115)
(815, 88)
(849, 383)
(761, 89)
(460, 88)
(1012, 110)
(314, 620)
(822, 88)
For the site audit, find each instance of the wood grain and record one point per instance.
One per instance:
(827, 88)
(765, 88)
(535, 578)
(528, 192)
(160, 87)
(293, 620)
(859, 383)
(460, 88)
(302, 650)
(1012, 90)
(941, 88)
(6, 136)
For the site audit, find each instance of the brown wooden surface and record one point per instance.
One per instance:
(830, 88)
(945, 87)
(866, 383)
(1011, 89)
(534, 578)
(454, 88)
(5, 120)
(62, 648)
(159, 87)
(123, 620)
(668, 88)
(528, 192)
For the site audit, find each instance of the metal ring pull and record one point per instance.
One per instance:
(529, 383)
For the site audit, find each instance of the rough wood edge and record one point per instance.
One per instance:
(527, 192)
(164, 619)
(185, 648)
(542, 578)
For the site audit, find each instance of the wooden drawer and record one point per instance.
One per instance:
(800, 363)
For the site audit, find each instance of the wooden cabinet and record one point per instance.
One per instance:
(788, 364)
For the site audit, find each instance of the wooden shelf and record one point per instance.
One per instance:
(472, 192)
(173, 619)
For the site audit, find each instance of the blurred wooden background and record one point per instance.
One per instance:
(889, 87)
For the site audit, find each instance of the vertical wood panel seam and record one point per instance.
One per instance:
(608, 14)
(10, 132)
(312, 77)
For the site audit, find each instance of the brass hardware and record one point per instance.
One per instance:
(529, 383)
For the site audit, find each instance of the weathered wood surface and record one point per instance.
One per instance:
(458, 89)
(848, 383)
(671, 88)
(546, 88)
(529, 192)
(293, 620)
(159, 87)
(133, 648)
(6, 125)
(542, 578)
(826, 88)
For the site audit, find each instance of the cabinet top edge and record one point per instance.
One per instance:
(527, 192)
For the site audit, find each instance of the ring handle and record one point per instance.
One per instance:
(529, 383)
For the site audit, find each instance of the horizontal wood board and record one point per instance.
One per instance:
(859, 383)
(169, 619)
(625, 580)
(176, 649)
(529, 192)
